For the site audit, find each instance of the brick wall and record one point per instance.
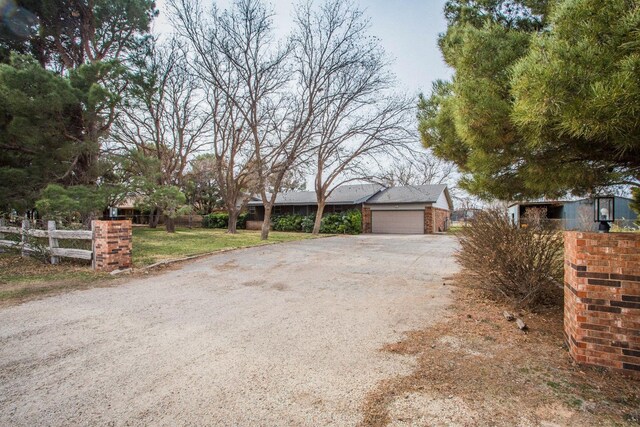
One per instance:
(441, 220)
(112, 245)
(366, 220)
(435, 219)
(602, 299)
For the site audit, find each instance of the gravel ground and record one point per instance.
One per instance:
(287, 334)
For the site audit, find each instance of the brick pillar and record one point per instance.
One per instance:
(428, 220)
(112, 245)
(602, 299)
(366, 220)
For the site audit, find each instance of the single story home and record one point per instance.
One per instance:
(573, 214)
(422, 209)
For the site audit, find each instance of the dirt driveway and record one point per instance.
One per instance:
(280, 335)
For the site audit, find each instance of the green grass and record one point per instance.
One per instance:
(153, 245)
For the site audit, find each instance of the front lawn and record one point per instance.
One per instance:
(153, 245)
(26, 278)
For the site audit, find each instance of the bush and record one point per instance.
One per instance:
(522, 265)
(221, 220)
(307, 223)
(216, 220)
(287, 223)
(349, 222)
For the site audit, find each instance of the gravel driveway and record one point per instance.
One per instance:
(279, 335)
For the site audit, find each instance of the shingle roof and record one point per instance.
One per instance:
(343, 195)
(409, 194)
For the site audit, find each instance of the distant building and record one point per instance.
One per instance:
(573, 214)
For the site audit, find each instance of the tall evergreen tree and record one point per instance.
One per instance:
(38, 111)
(544, 100)
(86, 43)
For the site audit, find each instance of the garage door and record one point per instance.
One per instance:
(397, 222)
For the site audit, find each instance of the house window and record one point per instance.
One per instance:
(277, 210)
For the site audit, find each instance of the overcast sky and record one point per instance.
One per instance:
(407, 29)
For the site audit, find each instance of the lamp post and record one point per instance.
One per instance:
(604, 212)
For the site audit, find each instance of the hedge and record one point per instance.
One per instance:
(221, 220)
(349, 222)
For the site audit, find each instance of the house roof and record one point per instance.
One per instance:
(410, 194)
(343, 195)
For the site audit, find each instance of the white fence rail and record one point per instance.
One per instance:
(54, 235)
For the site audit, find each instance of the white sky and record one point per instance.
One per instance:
(408, 30)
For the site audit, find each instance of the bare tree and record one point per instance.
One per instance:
(357, 120)
(418, 169)
(234, 166)
(202, 188)
(162, 125)
(467, 205)
(237, 53)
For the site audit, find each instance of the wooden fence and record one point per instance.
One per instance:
(54, 235)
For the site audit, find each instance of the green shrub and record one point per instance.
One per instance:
(221, 220)
(216, 220)
(287, 223)
(349, 222)
(242, 220)
(307, 223)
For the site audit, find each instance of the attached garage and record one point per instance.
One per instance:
(397, 222)
(411, 209)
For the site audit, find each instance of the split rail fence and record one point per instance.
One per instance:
(25, 233)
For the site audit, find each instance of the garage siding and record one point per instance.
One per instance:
(397, 222)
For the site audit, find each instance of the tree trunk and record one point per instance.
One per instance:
(266, 224)
(154, 218)
(318, 222)
(233, 221)
(170, 224)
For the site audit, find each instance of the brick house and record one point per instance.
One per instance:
(411, 209)
(422, 209)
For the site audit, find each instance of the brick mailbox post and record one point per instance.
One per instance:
(112, 245)
(602, 299)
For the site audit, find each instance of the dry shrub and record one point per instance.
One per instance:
(521, 265)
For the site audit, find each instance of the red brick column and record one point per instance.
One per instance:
(366, 220)
(602, 299)
(112, 245)
(428, 220)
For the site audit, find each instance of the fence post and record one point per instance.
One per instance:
(53, 242)
(24, 238)
(93, 244)
(1, 225)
